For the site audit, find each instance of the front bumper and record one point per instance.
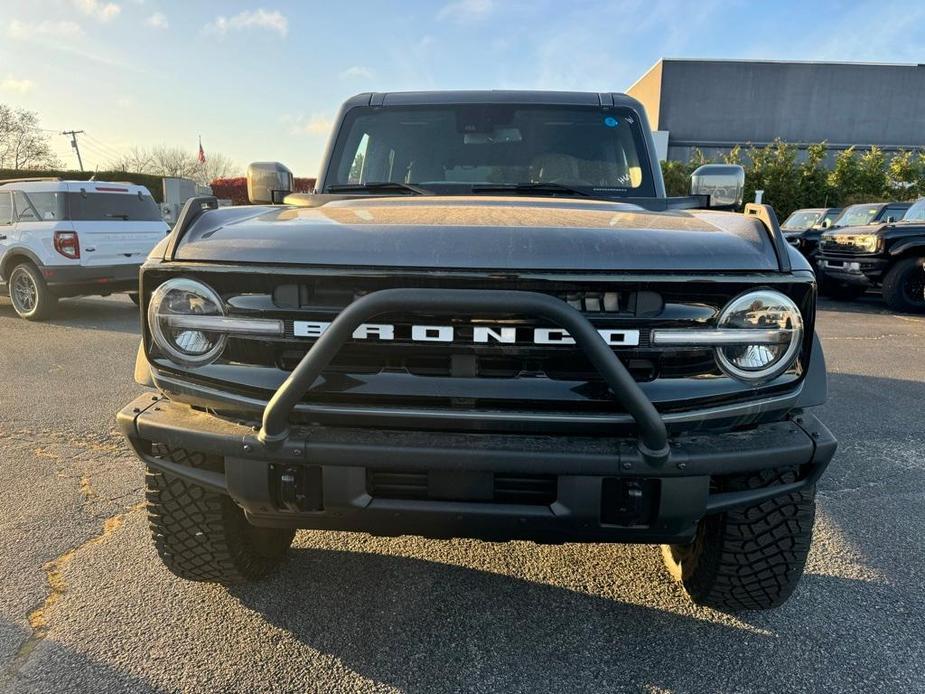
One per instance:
(79, 280)
(333, 470)
(863, 271)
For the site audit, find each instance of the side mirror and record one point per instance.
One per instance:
(268, 182)
(890, 220)
(723, 184)
(826, 223)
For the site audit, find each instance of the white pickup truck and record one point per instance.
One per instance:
(73, 238)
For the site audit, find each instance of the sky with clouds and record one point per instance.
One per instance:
(261, 80)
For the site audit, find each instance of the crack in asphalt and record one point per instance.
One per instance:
(866, 486)
(884, 336)
(57, 588)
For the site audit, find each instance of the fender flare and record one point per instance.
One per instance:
(916, 244)
(14, 252)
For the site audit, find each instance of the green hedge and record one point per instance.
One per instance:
(788, 184)
(152, 183)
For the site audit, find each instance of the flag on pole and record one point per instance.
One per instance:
(202, 152)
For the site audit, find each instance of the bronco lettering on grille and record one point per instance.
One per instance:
(480, 334)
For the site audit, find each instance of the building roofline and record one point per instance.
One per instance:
(783, 62)
(644, 74)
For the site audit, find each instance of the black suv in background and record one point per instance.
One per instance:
(889, 255)
(803, 228)
(860, 215)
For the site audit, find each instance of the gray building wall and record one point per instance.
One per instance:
(714, 105)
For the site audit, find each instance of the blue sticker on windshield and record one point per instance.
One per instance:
(610, 122)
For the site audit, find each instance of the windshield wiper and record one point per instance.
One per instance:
(384, 186)
(548, 188)
(116, 215)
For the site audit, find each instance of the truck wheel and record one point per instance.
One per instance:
(30, 296)
(204, 536)
(904, 286)
(750, 558)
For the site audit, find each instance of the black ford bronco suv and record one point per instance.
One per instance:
(803, 228)
(888, 254)
(487, 321)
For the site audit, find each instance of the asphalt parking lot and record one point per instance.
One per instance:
(86, 605)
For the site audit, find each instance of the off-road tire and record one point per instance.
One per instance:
(750, 558)
(42, 303)
(903, 283)
(203, 536)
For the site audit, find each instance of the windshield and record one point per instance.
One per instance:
(857, 215)
(916, 213)
(830, 216)
(453, 148)
(112, 206)
(802, 219)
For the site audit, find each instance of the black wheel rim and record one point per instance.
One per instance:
(914, 286)
(23, 292)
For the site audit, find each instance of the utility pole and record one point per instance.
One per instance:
(74, 134)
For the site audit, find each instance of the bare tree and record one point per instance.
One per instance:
(163, 160)
(23, 144)
(136, 160)
(216, 166)
(173, 161)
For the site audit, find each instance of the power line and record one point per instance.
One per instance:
(95, 158)
(74, 134)
(98, 152)
(108, 150)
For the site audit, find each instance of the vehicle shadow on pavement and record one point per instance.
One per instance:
(433, 616)
(427, 626)
(869, 303)
(26, 670)
(115, 314)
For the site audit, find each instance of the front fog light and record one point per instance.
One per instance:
(779, 334)
(172, 305)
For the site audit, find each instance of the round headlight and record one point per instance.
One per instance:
(778, 328)
(175, 300)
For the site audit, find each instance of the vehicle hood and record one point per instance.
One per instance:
(861, 230)
(489, 233)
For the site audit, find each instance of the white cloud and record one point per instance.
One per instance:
(49, 29)
(11, 84)
(157, 21)
(69, 38)
(250, 19)
(357, 72)
(464, 11)
(103, 11)
(315, 124)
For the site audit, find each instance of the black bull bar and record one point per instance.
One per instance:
(652, 433)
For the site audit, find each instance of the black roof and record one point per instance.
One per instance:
(493, 96)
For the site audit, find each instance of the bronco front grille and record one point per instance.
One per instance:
(332, 294)
(468, 374)
(484, 487)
